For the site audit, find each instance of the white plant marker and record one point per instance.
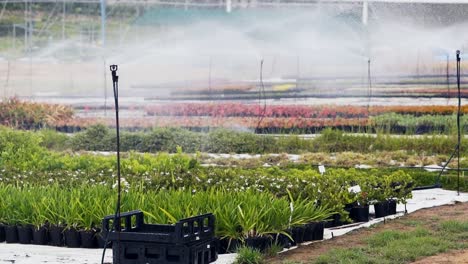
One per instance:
(321, 169)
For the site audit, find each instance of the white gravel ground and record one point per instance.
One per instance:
(31, 254)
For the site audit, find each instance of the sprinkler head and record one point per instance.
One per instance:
(113, 67)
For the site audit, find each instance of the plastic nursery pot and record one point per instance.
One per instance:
(11, 234)
(392, 205)
(282, 240)
(228, 245)
(360, 213)
(329, 223)
(309, 231)
(381, 209)
(40, 236)
(56, 236)
(261, 242)
(336, 220)
(298, 234)
(72, 238)
(2, 233)
(88, 238)
(25, 234)
(318, 231)
(348, 207)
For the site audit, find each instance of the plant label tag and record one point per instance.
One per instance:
(355, 189)
(321, 169)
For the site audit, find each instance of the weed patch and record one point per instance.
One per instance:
(391, 246)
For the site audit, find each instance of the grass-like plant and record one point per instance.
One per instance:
(247, 255)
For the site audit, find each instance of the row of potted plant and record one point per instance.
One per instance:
(33, 214)
(22, 154)
(303, 111)
(439, 92)
(305, 183)
(101, 138)
(243, 216)
(164, 171)
(394, 123)
(31, 115)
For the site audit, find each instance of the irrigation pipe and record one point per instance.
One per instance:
(261, 95)
(457, 147)
(116, 223)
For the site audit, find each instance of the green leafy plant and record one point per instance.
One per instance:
(247, 255)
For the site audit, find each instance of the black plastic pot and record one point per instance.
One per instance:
(11, 234)
(72, 238)
(228, 245)
(381, 209)
(88, 238)
(392, 205)
(329, 224)
(2, 233)
(261, 242)
(360, 213)
(318, 231)
(40, 236)
(282, 240)
(350, 206)
(56, 236)
(337, 220)
(25, 234)
(309, 232)
(298, 234)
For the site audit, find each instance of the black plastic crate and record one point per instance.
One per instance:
(132, 228)
(162, 253)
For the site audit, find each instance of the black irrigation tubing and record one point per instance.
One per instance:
(101, 107)
(420, 188)
(458, 120)
(116, 222)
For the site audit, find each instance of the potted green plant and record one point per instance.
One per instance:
(39, 222)
(10, 216)
(87, 227)
(400, 185)
(378, 194)
(2, 216)
(253, 210)
(24, 213)
(362, 189)
(53, 210)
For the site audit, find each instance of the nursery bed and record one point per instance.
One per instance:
(32, 254)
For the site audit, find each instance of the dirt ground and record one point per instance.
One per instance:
(446, 258)
(429, 217)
